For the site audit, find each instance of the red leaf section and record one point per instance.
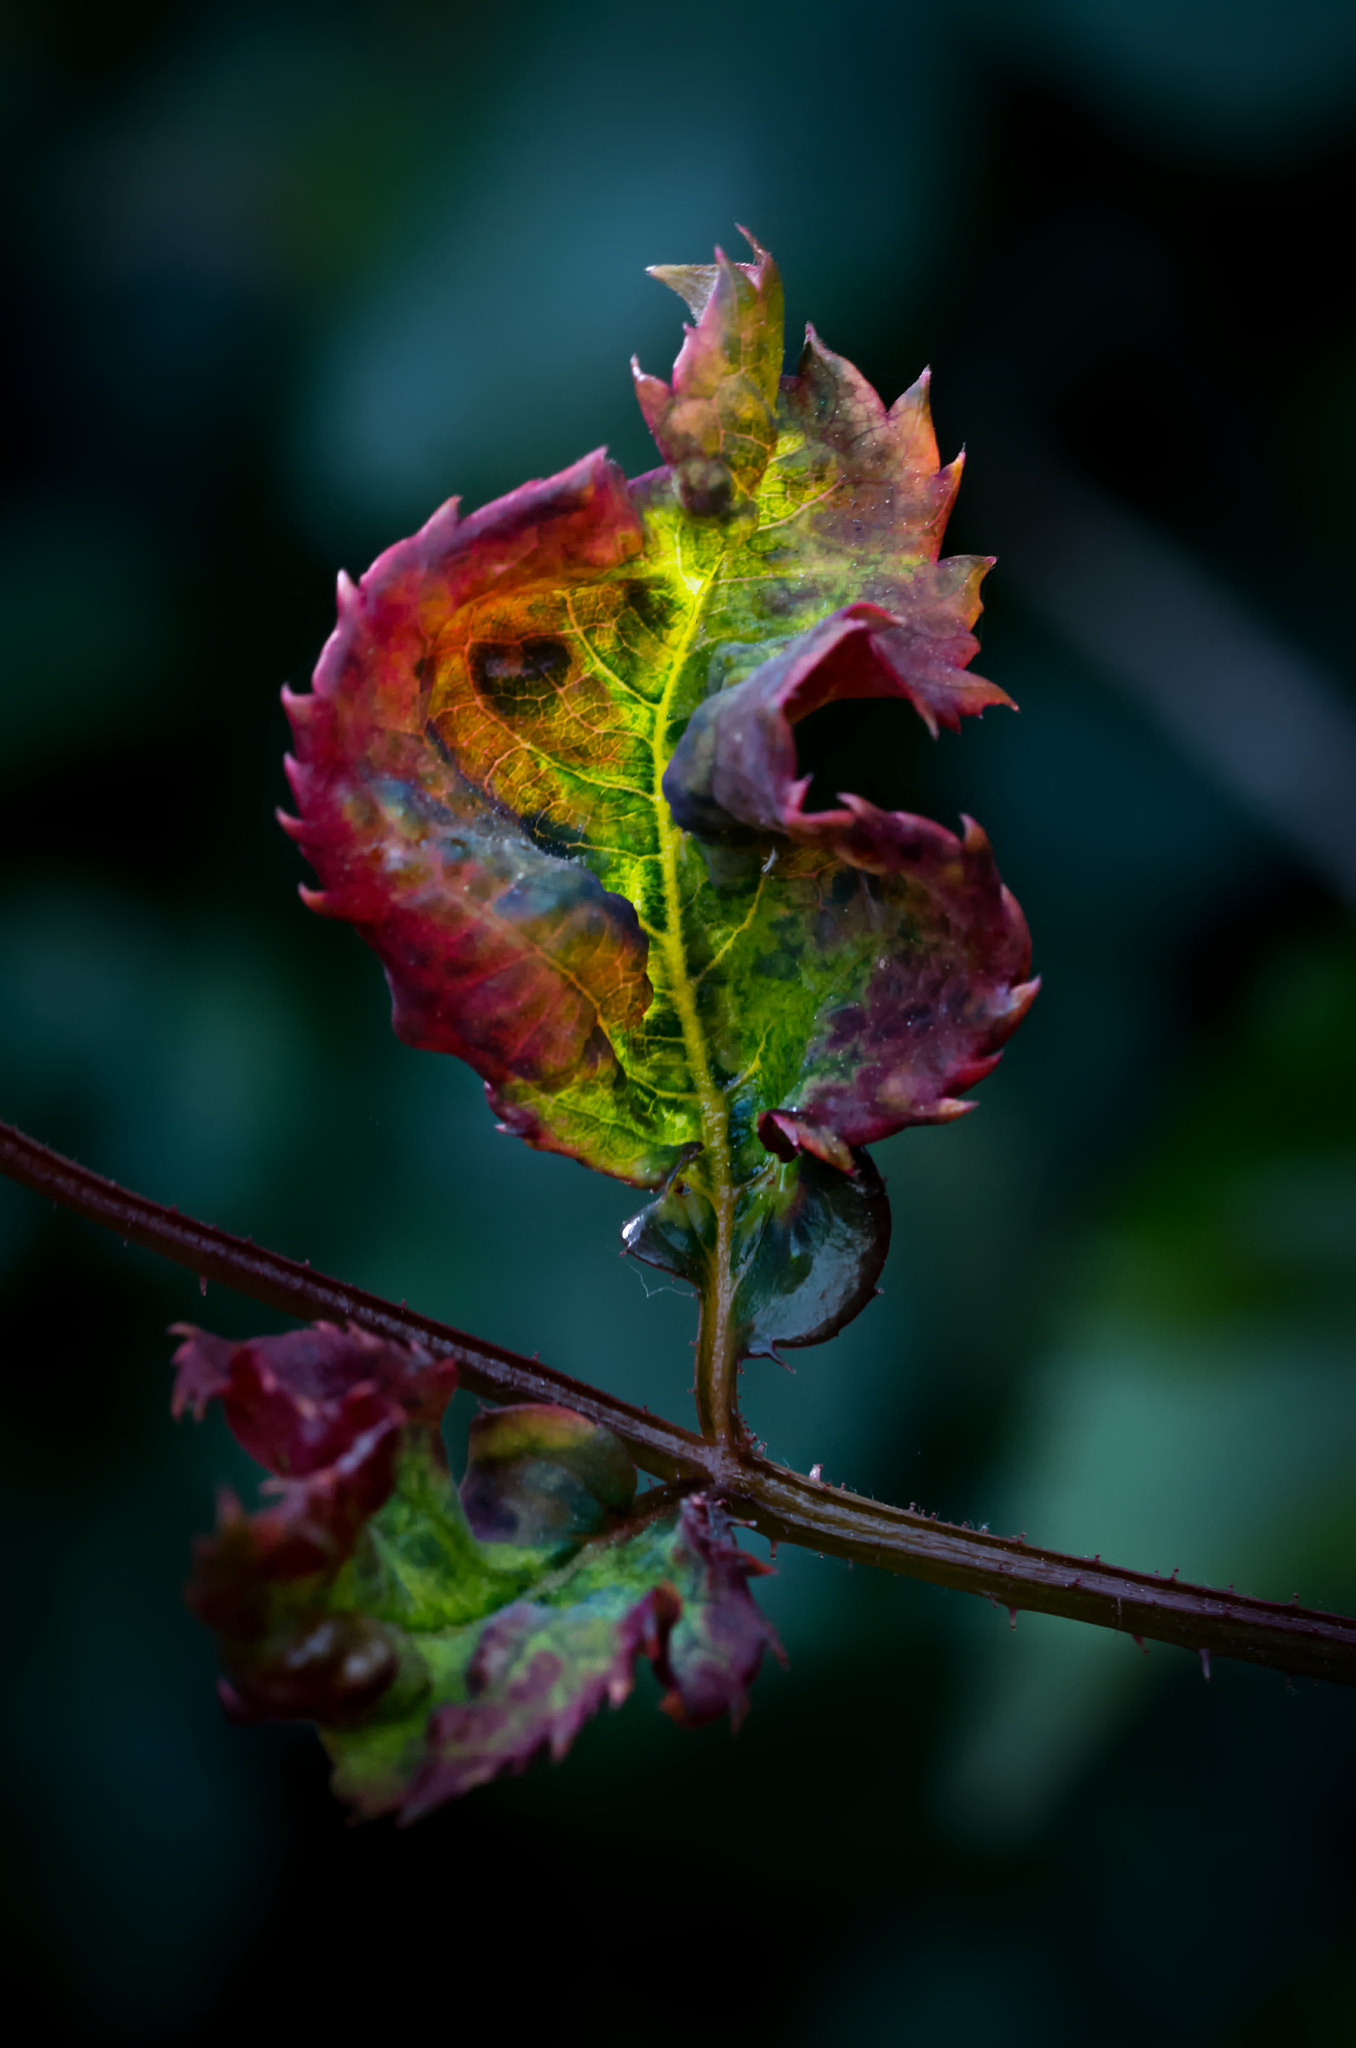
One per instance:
(511, 958)
(879, 517)
(322, 1409)
(289, 1660)
(714, 1650)
(736, 763)
(716, 425)
(893, 491)
(932, 1016)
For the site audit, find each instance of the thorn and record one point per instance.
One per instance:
(1138, 1642)
(202, 1284)
(1012, 1617)
(1204, 1656)
(816, 1471)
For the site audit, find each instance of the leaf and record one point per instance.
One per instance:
(716, 427)
(537, 1674)
(549, 771)
(441, 1640)
(675, 1592)
(322, 1409)
(814, 1241)
(538, 1474)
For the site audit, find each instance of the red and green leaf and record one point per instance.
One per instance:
(549, 771)
(441, 1638)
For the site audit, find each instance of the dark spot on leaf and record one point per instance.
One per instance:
(652, 607)
(552, 835)
(519, 675)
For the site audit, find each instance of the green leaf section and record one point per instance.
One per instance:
(449, 1637)
(424, 1573)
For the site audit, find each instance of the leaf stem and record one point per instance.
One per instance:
(783, 1505)
(717, 1375)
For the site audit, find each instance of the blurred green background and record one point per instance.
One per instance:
(279, 279)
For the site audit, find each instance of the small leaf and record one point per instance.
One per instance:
(812, 1242)
(816, 1257)
(716, 426)
(715, 1647)
(439, 1644)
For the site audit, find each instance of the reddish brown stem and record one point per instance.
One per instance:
(782, 1504)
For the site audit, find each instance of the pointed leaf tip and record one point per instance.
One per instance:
(716, 424)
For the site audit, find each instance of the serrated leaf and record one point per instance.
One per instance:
(440, 1640)
(549, 770)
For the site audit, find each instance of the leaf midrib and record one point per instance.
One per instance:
(715, 1121)
(715, 1363)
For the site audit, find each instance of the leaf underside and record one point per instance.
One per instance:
(549, 771)
(442, 1638)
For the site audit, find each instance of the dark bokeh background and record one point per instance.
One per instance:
(279, 279)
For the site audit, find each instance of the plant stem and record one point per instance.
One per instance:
(781, 1504)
